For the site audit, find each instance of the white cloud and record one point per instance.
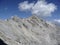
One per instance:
(25, 5)
(57, 20)
(40, 8)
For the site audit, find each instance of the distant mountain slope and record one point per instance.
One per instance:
(29, 31)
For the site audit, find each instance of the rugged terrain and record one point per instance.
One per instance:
(29, 31)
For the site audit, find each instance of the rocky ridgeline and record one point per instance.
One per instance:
(29, 31)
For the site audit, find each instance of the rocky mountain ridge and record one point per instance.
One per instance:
(29, 31)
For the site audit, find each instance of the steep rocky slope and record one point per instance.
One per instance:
(29, 31)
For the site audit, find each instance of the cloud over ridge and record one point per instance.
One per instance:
(40, 8)
(57, 20)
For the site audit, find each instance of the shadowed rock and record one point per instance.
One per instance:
(2, 42)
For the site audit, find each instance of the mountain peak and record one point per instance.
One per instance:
(15, 17)
(29, 31)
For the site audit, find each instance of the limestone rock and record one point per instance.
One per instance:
(29, 31)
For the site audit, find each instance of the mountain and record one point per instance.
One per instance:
(28, 31)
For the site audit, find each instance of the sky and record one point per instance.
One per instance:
(47, 9)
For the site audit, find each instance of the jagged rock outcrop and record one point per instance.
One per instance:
(29, 31)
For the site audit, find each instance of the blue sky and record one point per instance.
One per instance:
(10, 8)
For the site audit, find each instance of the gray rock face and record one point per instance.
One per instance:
(29, 31)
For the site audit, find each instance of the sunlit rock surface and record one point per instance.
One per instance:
(29, 31)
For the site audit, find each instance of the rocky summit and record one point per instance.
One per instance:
(28, 31)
